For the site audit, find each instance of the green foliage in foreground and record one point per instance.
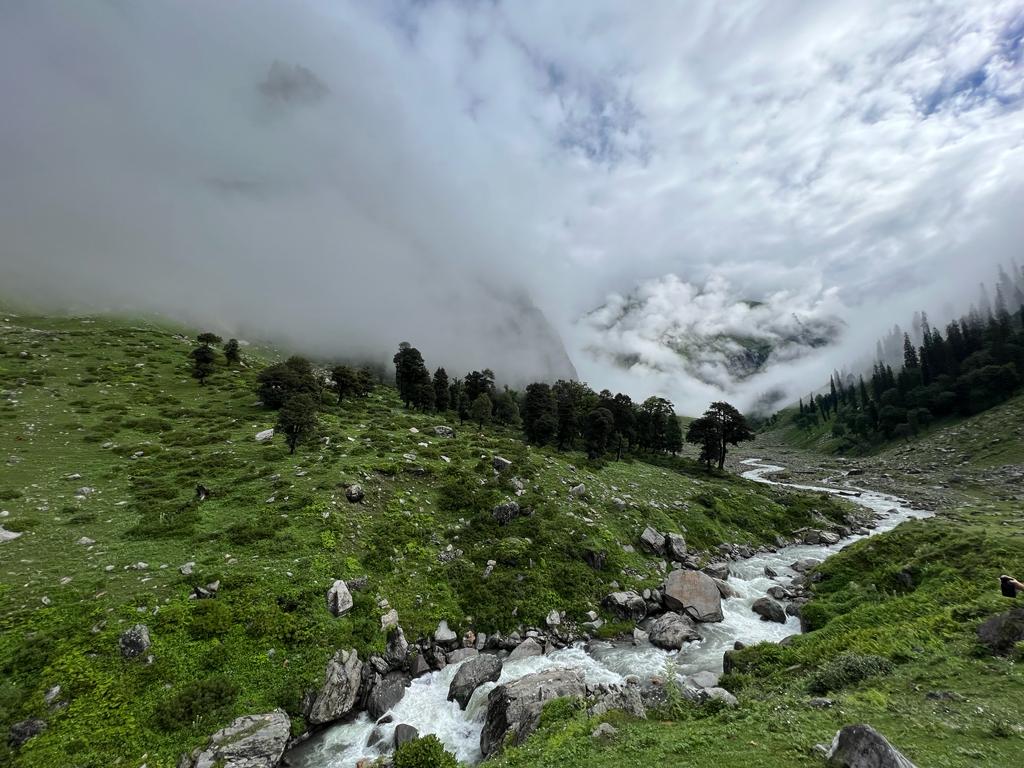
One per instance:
(114, 402)
(896, 652)
(426, 752)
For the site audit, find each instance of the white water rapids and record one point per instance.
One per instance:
(425, 706)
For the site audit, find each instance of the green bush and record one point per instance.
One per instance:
(194, 701)
(210, 618)
(847, 669)
(427, 752)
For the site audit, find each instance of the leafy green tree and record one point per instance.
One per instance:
(506, 408)
(232, 352)
(409, 374)
(276, 383)
(208, 339)
(203, 359)
(598, 428)
(297, 419)
(364, 382)
(441, 390)
(344, 379)
(704, 432)
(720, 426)
(480, 411)
(425, 752)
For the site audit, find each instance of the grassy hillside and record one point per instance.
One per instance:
(902, 607)
(105, 436)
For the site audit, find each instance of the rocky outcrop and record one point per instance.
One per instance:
(861, 746)
(471, 675)
(671, 630)
(628, 606)
(1001, 633)
(396, 651)
(769, 610)
(134, 641)
(386, 693)
(675, 546)
(338, 695)
(513, 710)
(339, 599)
(693, 593)
(652, 541)
(251, 741)
(504, 514)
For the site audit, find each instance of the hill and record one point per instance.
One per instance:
(105, 438)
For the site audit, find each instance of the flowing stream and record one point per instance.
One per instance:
(425, 705)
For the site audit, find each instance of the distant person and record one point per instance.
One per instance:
(1010, 586)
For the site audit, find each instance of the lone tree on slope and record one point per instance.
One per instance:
(297, 419)
(231, 352)
(345, 380)
(203, 358)
(720, 426)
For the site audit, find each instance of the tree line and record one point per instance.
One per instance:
(974, 364)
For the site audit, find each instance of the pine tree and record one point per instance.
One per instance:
(345, 381)
(232, 353)
(441, 399)
(538, 413)
(598, 428)
(203, 358)
(480, 411)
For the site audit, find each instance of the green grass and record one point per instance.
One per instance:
(113, 402)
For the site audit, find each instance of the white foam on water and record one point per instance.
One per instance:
(425, 705)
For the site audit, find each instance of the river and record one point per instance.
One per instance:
(425, 704)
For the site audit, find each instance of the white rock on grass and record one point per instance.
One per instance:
(265, 436)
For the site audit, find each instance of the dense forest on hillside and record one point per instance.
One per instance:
(974, 364)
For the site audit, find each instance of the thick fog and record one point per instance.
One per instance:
(484, 179)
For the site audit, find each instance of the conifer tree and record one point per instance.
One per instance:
(232, 353)
(441, 385)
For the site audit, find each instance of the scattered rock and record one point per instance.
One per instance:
(85, 541)
(386, 694)
(251, 741)
(719, 694)
(461, 654)
(471, 675)
(134, 641)
(718, 570)
(337, 696)
(24, 730)
(529, 647)
(339, 599)
(578, 491)
(513, 709)
(604, 731)
(405, 733)
(500, 463)
(265, 436)
(6, 535)
(505, 513)
(861, 746)
(672, 630)
(354, 493)
(443, 635)
(675, 546)
(695, 594)
(187, 568)
(702, 680)
(769, 610)
(396, 651)
(1002, 632)
(553, 619)
(628, 606)
(652, 541)
(443, 431)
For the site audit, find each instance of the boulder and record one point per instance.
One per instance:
(717, 570)
(529, 647)
(578, 491)
(396, 651)
(339, 599)
(553, 618)
(513, 709)
(500, 464)
(265, 436)
(443, 431)
(505, 513)
(596, 559)
(418, 665)
(725, 589)
(443, 635)
(652, 541)
(337, 696)
(461, 654)
(626, 605)
(1002, 632)
(769, 610)
(693, 593)
(719, 694)
(804, 564)
(671, 630)
(405, 733)
(386, 693)
(354, 493)
(251, 741)
(675, 546)
(702, 680)
(471, 675)
(134, 641)
(861, 746)
(829, 538)
(604, 731)
(24, 730)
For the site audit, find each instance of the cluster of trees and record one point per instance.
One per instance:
(974, 365)
(565, 414)
(297, 392)
(204, 356)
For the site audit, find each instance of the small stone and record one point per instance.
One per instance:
(604, 731)
(85, 541)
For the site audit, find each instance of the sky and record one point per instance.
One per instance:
(342, 176)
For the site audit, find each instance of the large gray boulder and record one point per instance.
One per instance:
(500, 463)
(769, 610)
(339, 599)
(628, 606)
(652, 541)
(405, 733)
(861, 746)
(504, 514)
(671, 630)
(471, 675)
(251, 741)
(513, 709)
(675, 546)
(1002, 632)
(337, 696)
(529, 647)
(397, 649)
(386, 693)
(134, 641)
(695, 594)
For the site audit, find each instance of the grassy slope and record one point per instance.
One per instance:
(113, 402)
(975, 714)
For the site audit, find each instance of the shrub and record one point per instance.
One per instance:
(847, 669)
(427, 752)
(194, 701)
(210, 618)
